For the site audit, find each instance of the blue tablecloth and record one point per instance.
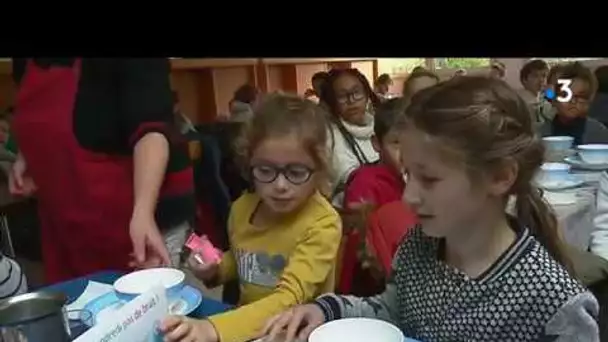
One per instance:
(74, 288)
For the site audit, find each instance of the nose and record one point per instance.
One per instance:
(412, 192)
(281, 183)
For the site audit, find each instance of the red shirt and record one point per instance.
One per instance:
(379, 184)
(376, 183)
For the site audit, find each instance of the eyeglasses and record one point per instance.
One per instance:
(582, 99)
(296, 174)
(351, 96)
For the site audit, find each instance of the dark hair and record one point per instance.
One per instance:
(319, 76)
(246, 94)
(175, 97)
(483, 122)
(283, 114)
(7, 114)
(530, 67)
(407, 84)
(553, 73)
(418, 69)
(383, 79)
(387, 114)
(576, 70)
(329, 95)
(601, 74)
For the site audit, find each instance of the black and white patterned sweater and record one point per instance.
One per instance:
(525, 296)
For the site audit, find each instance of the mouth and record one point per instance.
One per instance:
(281, 200)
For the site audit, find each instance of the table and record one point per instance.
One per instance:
(74, 288)
(576, 219)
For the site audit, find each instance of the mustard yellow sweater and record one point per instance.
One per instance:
(277, 266)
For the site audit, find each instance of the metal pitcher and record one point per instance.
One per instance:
(34, 317)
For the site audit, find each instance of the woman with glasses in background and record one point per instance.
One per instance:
(348, 95)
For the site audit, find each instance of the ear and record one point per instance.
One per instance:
(376, 144)
(502, 177)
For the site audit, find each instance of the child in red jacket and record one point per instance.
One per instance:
(372, 186)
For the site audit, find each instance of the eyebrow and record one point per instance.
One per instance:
(351, 89)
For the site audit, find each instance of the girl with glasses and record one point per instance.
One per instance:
(351, 101)
(284, 235)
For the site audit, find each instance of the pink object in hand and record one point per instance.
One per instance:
(203, 249)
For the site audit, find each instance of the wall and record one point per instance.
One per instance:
(206, 88)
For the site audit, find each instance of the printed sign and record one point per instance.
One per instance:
(136, 321)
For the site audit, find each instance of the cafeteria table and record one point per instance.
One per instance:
(75, 287)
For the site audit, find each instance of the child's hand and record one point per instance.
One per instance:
(184, 329)
(204, 271)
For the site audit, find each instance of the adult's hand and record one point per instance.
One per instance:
(19, 183)
(149, 247)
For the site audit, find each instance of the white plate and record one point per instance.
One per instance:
(577, 162)
(357, 330)
(570, 183)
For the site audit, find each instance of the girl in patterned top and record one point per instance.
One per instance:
(470, 272)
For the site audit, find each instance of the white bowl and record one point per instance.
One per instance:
(553, 173)
(593, 153)
(357, 330)
(133, 284)
(558, 143)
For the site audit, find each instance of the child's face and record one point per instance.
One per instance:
(440, 191)
(390, 149)
(352, 99)
(579, 104)
(283, 173)
(535, 82)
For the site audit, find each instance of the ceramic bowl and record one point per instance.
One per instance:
(357, 330)
(551, 173)
(593, 153)
(133, 284)
(558, 143)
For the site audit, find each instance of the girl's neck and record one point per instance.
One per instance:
(263, 216)
(474, 251)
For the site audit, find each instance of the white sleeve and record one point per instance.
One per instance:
(599, 235)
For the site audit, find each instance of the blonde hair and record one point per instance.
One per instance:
(285, 114)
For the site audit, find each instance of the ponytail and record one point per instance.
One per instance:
(534, 212)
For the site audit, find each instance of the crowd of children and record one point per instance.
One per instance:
(463, 269)
(463, 147)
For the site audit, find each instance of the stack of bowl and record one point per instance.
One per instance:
(593, 153)
(557, 148)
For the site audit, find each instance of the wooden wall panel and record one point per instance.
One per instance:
(340, 65)
(275, 78)
(207, 101)
(185, 83)
(227, 81)
(289, 78)
(367, 69)
(305, 73)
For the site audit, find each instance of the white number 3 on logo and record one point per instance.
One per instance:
(565, 93)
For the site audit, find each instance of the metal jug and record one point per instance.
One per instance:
(34, 317)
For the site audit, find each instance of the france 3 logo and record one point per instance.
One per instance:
(564, 94)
